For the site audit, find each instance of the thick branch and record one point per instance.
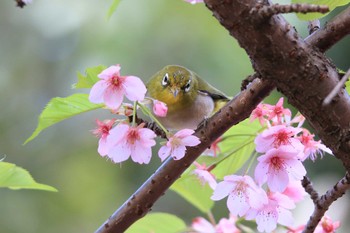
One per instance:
(143, 199)
(301, 73)
(238, 109)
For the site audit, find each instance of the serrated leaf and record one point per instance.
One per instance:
(158, 223)
(59, 109)
(190, 188)
(238, 145)
(88, 80)
(332, 4)
(112, 8)
(14, 177)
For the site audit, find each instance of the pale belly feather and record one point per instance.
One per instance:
(190, 116)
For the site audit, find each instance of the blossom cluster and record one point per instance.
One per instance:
(269, 196)
(121, 140)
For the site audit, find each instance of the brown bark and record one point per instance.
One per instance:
(297, 68)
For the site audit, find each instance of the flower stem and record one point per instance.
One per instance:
(251, 161)
(134, 114)
(148, 112)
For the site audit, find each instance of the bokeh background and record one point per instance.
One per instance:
(43, 45)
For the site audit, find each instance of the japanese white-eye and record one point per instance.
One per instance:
(189, 98)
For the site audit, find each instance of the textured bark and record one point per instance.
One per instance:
(143, 199)
(282, 58)
(299, 71)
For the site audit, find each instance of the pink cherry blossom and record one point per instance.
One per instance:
(277, 136)
(260, 113)
(214, 148)
(312, 147)
(295, 191)
(176, 145)
(278, 167)
(204, 175)
(201, 225)
(298, 229)
(112, 87)
(159, 108)
(227, 225)
(326, 225)
(242, 193)
(125, 141)
(194, 1)
(277, 112)
(102, 131)
(276, 210)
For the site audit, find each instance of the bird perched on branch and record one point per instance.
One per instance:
(189, 98)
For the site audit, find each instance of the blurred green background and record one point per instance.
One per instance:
(43, 45)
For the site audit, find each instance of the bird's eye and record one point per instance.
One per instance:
(165, 80)
(187, 86)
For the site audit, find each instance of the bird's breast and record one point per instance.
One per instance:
(190, 115)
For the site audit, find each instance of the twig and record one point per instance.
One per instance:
(313, 26)
(310, 189)
(20, 3)
(249, 80)
(265, 11)
(325, 201)
(334, 31)
(143, 199)
(337, 88)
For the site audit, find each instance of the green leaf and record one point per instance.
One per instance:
(59, 109)
(112, 8)
(332, 4)
(91, 77)
(237, 147)
(14, 177)
(158, 223)
(190, 188)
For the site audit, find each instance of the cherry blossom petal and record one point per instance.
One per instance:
(278, 181)
(119, 153)
(97, 92)
(135, 89)
(237, 204)
(184, 133)
(191, 141)
(222, 190)
(164, 152)
(117, 134)
(141, 154)
(113, 98)
(178, 152)
(103, 147)
(109, 72)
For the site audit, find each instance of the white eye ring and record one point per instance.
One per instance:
(187, 86)
(165, 80)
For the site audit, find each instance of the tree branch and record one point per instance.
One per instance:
(237, 109)
(322, 204)
(143, 199)
(300, 72)
(267, 11)
(334, 31)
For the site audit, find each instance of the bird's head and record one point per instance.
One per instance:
(174, 85)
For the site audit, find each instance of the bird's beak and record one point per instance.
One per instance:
(175, 91)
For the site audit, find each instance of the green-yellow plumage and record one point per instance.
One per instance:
(189, 98)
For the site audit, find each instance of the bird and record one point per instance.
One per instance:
(190, 99)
